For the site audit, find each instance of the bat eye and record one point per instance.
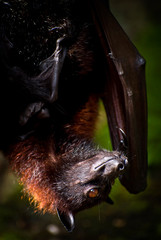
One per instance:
(93, 193)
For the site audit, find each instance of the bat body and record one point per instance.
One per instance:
(55, 66)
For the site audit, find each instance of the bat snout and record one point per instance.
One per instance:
(113, 165)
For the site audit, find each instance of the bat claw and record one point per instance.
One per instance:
(123, 146)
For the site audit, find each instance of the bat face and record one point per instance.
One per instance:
(87, 183)
(77, 178)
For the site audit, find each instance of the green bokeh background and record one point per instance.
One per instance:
(132, 217)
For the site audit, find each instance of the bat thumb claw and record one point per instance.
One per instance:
(123, 142)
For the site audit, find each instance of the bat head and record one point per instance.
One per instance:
(87, 183)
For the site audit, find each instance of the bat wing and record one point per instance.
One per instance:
(125, 94)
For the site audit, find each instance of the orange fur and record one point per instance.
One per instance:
(83, 123)
(32, 160)
(35, 160)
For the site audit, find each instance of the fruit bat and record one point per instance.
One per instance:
(57, 60)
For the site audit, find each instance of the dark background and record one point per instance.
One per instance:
(132, 217)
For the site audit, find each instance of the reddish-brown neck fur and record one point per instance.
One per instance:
(37, 162)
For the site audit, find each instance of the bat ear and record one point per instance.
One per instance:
(109, 200)
(67, 220)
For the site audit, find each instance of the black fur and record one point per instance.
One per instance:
(46, 130)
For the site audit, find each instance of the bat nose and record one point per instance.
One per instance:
(122, 165)
(115, 166)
